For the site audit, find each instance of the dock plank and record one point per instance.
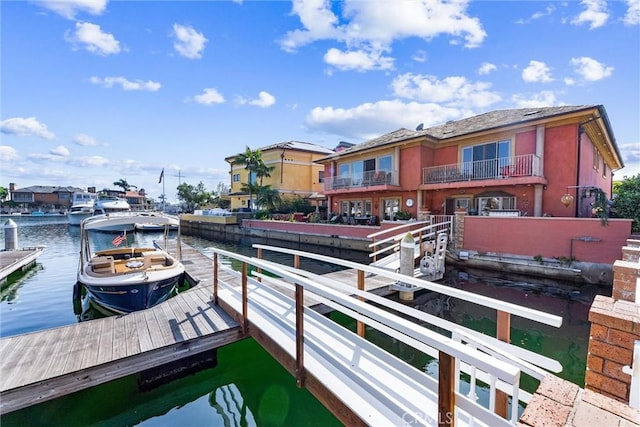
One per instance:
(143, 330)
(119, 343)
(105, 345)
(132, 341)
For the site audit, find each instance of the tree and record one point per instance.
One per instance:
(626, 200)
(122, 183)
(269, 198)
(251, 159)
(193, 197)
(3, 194)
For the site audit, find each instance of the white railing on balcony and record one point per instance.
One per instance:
(505, 167)
(364, 179)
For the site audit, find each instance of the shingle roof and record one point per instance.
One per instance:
(469, 125)
(44, 189)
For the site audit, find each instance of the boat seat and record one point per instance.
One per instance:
(103, 264)
(154, 258)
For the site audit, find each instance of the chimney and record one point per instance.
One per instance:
(12, 186)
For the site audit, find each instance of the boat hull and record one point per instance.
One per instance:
(75, 218)
(134, 296)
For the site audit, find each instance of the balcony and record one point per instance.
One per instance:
(360, 180)
(506, 167)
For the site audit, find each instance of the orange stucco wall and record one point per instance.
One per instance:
(525, 143)
(548, 237)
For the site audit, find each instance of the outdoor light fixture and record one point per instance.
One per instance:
(566, 200)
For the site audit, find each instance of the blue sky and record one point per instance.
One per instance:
(94, 91)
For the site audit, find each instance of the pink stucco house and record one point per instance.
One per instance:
(517, 162)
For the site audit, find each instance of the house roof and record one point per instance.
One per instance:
(483, 122)
(46, 189)
(291, 145)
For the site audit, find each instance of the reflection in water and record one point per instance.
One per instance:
(229, 404)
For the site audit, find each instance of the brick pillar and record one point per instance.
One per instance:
(458, 228)
(615, 326)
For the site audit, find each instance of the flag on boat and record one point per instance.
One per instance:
(117, 241)
(161, 176)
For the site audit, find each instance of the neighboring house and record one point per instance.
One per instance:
(520, 161)
(294, 171)
(137, 199)
(42, 197)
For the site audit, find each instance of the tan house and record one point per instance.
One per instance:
(295, 171)
(525, 162)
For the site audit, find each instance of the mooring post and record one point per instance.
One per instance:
(215, 278)
(407, 262)
(300, 371)
(10, 235)
(361, 325)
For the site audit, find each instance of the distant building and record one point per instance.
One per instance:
(295, 171)
(43, 198)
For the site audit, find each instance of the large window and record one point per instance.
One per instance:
(486, 160)
(363, 171)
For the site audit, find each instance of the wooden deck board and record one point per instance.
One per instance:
(132, 342)
(143, 331)
(105, 345)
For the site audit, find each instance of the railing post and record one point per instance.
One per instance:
(215, 278)
(503, 333)
(446, 390)
(300, 371)
(296, 261)
(245, 297)
(259, 269)
(360, 325)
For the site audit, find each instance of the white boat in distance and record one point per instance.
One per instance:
(82, 206)
(106, 205)
(123, 279)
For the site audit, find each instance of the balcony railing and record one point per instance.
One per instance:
(505, 167)
(364, 179)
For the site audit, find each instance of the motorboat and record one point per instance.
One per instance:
(123, 278)
(106, 205)
(82, 207)
(152, 227)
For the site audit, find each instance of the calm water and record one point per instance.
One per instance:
(248, 387)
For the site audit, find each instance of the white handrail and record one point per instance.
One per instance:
(527, 313)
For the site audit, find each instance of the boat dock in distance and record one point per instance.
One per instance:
(15, 260)
(359, 382)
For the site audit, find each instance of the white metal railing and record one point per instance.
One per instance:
(388, 240)
(501, 374)
(363, 179)
(522, 359)
(505, 167)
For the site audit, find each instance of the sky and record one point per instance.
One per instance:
(94, 91)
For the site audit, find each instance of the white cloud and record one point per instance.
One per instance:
(363, 121)
(631, 157)
(60, 150)
(359, 60)
(372, 27)
(8, 153)
(452, 91)
(595, 14)
(545, 98)
(29, 126)
(109, 82)
(89, 161)
(189, 43)
(537, 71)
(69, 8)
(486, 68)
(264, 100)
(589, 69)
(632, 17)
(84, 140)
(94, 39)
(420, 56)
(209, 97)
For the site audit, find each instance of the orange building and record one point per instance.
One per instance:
(508, 162)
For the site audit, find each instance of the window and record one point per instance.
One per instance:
(320, 176)
(486, 160)
(596, 158)
(604, 169)
(236, 177)
(385, 164)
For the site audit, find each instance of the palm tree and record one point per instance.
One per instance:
(269, 197)
(251, 159)
(263, 171)
(122, 183)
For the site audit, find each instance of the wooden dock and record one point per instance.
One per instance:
(48, 364)
(14, 260)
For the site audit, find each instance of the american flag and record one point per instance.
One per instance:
(117, 241)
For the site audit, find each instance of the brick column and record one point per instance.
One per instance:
(458, 229)
(615, 326)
